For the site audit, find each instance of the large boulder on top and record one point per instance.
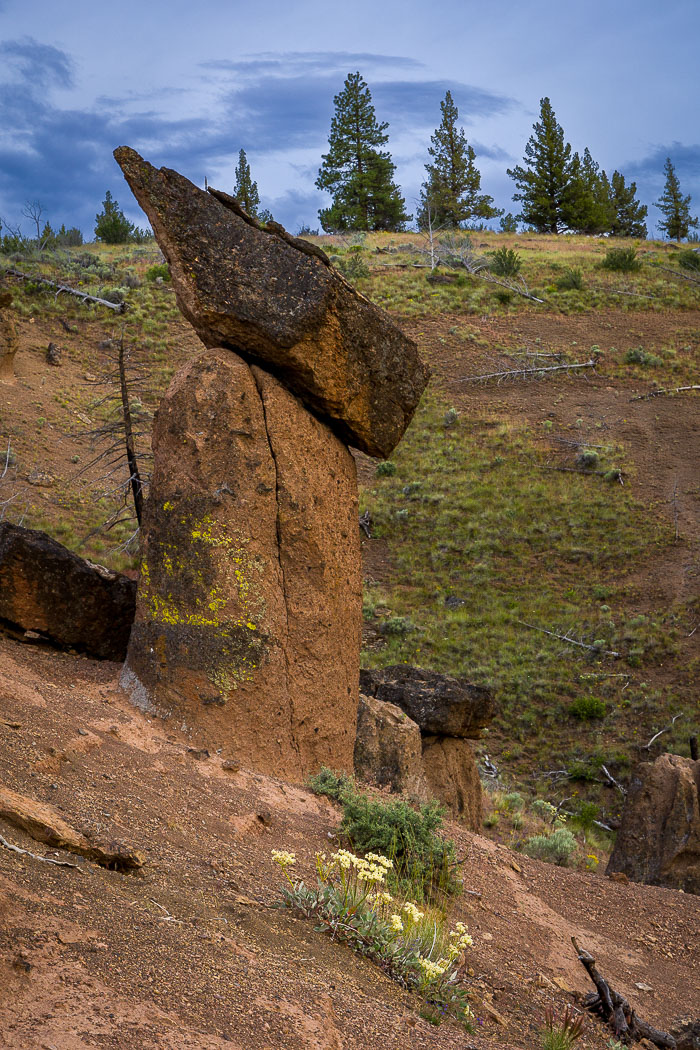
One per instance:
(659, 837)
(48, 589)
(249, 604)
(440, 704)
(277, 301)
(388, 750)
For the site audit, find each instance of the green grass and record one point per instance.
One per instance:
(483, 540)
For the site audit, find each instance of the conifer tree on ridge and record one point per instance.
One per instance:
(452, 189)
(356, 171)
(675, 207)
(246, 189)
(544, 180)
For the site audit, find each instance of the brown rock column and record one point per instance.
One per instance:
(8, 338)
(249, 603)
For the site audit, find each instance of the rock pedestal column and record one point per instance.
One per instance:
(248, 614)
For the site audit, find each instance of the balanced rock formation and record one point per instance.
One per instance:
(249, 604)
(388, 749)
(276, 300)
(659, 837)
(48, 589)
(440, 704)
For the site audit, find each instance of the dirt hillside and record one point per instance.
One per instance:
(191, 951)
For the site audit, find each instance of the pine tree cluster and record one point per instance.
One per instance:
(560, 192)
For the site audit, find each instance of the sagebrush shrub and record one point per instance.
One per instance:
(556, 848)
(588, 708)
(622, 260)
(424, 862)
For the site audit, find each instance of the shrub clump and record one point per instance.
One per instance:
(161, 270)
(622, 260)
(571, 280)
(505, 262)
(637, 355)
(689, 259)
(556, 848)
(588, 708)
(424, 862)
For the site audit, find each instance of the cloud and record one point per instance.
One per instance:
(685, 159)
(276, 107)
(38, 65)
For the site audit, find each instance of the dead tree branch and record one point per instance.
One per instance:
(569, 640)
(613, 783)
(656, 736)
(36, 856)
(615, 1010)
(117, 307)
(665, 392)
(677, 273)
(524, 372)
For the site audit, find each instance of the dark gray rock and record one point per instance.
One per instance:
(47, 589)
(276, 302)
(440, 704)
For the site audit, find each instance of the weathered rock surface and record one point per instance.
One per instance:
(249, 603)
(452, 777)
(440, 704)
(388, 749)
(46, 588)
(258, 294)
(659, 837)
(8, 337)
(44, 824)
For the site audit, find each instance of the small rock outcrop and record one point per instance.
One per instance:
(272, 299)
(48, 589)
(249, 605)
(388, 748)
(440, 704)
(446, 712)
(659, 837)
(8, 337)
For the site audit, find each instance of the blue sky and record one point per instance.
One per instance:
(188, 89)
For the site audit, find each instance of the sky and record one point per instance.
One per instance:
(189, 88)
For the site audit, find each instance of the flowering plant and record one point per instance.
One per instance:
(412, 946)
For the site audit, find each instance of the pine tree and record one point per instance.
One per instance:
(586, 203)
(111, 225)
(675, 207)
(629, 213)
(355, 171)
(544, 181)
(452, 190)
(246, 190)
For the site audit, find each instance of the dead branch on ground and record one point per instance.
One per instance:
(616, 1011)
(677, 273)
(83, 296)
(37, 856)
(656, 736)
(569, 640)
(665, 392)
(525, 372)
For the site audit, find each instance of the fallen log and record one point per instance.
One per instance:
(117, 307)
(524, 372)
(616, 1011)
